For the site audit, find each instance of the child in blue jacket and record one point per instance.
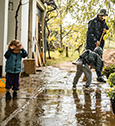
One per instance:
(13, 66)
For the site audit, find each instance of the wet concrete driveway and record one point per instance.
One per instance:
(52, 102)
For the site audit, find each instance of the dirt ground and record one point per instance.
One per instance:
(108, 58)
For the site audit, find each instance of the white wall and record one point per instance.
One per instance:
(3, 27)
(3, 31)
(24, 23)
(7, 26)
(12, 23)
(2, 4)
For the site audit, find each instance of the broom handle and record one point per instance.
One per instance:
(100, 38)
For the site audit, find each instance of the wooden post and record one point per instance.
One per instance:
(29, 66)
(67, 51)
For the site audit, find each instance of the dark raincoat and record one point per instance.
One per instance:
(91, 58)
(95, 29)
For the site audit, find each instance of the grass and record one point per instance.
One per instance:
(57, 57)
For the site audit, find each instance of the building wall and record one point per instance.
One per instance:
(7, 26)
(24, 23)
(2, 4)
(11, 21)
(3, 35)
(22, 33)
(32, 23)
(3, 32)
(26, 19)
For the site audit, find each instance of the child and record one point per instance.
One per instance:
(87, 58)
(13, 67)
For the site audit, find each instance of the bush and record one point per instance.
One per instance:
(111, 93)
(111, 82)
(60, 50)
(108, 70)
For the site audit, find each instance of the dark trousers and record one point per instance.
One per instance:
(12, 81)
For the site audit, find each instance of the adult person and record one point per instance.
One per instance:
(96, 27)
(96, 30)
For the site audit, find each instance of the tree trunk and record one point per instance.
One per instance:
(61, 35)
(48, 47)
(61, 29)
(66, 51)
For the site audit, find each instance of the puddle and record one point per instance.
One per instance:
(59, 105)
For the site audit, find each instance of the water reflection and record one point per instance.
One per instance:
(11, 105)
(59, 105)
(84, 113)
(88, 115)
(113, 106)
(56, 107)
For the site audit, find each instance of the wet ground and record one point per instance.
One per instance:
(47, 99)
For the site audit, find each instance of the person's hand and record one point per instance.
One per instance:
(97, 44)
(20, 47)
(104, 30)
(13, 47)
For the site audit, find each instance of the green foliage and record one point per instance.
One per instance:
(111, 82)
(113, 1)
(60, 50)
(111, 93)
(81, 11)
(107, 70)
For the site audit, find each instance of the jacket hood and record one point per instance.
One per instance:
(98, 50)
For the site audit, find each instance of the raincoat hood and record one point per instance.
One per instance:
(98, 50)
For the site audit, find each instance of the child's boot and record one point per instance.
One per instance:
(15, 94)
(8, 95)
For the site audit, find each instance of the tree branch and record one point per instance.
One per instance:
(67, 32)
(51, 17)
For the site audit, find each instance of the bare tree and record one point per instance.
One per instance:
(54, 7)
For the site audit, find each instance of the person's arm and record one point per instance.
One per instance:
(8, 53)
(106, 27)
(24, 53)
